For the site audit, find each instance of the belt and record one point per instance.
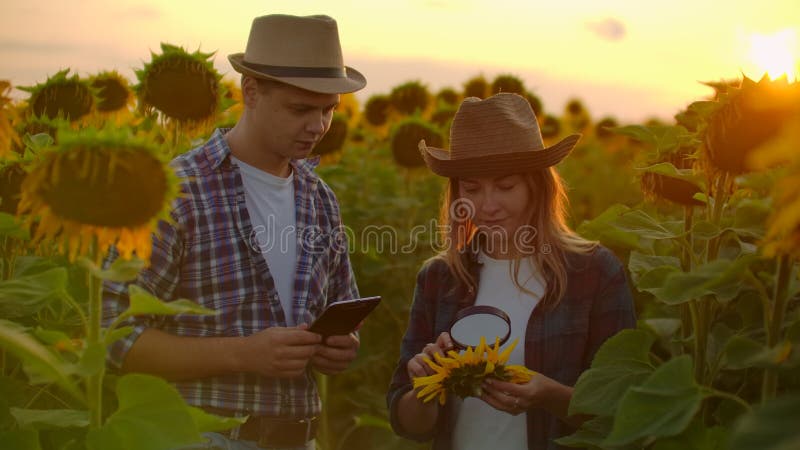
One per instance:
(273, 431)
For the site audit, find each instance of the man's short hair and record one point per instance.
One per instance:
(264, 84)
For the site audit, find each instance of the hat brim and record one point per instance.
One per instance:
(440, 163)
(354, 79)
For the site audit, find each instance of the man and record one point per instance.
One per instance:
(255, 236)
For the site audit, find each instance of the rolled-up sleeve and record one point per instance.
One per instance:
(160, 278)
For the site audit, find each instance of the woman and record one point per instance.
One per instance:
(509, 247)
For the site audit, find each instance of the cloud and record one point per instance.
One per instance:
(609, 29)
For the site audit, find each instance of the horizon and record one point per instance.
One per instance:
(626, 61)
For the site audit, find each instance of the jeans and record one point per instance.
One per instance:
(218, 441)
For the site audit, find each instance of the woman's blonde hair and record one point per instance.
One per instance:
(551, 236)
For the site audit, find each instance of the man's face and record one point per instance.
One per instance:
(288, 120)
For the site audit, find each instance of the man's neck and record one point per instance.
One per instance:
(245, 148)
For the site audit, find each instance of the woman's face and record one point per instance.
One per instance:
(501, 204)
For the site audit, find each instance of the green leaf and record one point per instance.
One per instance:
(30, 265)
(662, 406)
(37, 141)
(369, 420)
(622, 361)
(120, 271)
(705, 230)
(654, 280)
(600, 228)
(590, 435)
(41, 365)
(750, 218)
(640, 264)
(206, 422)
(151, 416)
(118, 334)
(10, 226)
(55, 338)
(665, 327)
(696, 437)
(664, 139)
(687, 175)
(743, 352)
(20, 440)
(640, 223)
(26, 295)
(721, 278)
(49, 418)
(93, 359)
(772, 426)
(144, 303)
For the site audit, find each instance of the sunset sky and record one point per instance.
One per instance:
(630, 59)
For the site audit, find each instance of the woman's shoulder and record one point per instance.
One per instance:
(600, 260)
(434, 267)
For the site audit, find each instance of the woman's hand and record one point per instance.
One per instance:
(417, 367)
(539, 392)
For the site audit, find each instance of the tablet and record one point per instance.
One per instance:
(344, 317)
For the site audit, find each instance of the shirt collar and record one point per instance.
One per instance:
(217, 152)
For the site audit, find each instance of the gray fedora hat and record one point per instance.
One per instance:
(300, 51)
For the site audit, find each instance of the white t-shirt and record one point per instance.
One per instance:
(270, 204)
(478, 425)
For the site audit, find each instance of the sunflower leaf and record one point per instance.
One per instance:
(49, 418)
(144, 303)
(151, 416)
(120, 271)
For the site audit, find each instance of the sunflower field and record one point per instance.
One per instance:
(703, 210)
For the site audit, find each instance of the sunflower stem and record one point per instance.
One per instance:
(687, 312)
(324, 425)
(94, 382)
(769, 386)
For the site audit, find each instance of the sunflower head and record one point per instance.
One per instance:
(476, 86)
(334, 139)
(508, 83)
(463, 374)
(551, 127)
(376, 110)
(405, 139)
(409, 98)
(113, 91)
(183, 86)
(98, 186)
(746, 118)
(448, 96)
(61, 96)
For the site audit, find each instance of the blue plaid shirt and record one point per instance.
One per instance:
(209, 254)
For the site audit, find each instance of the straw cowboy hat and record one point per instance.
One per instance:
(301, 51)
(492, 137)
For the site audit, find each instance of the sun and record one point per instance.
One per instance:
(775, 54)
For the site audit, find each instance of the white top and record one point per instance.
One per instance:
(478, 425)
(270, 204)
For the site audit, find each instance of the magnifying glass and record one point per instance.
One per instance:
(474, 322)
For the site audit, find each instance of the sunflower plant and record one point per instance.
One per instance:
(93, 190)
(462, 374)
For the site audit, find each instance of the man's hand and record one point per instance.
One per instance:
(279, 352)
(336, 354)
